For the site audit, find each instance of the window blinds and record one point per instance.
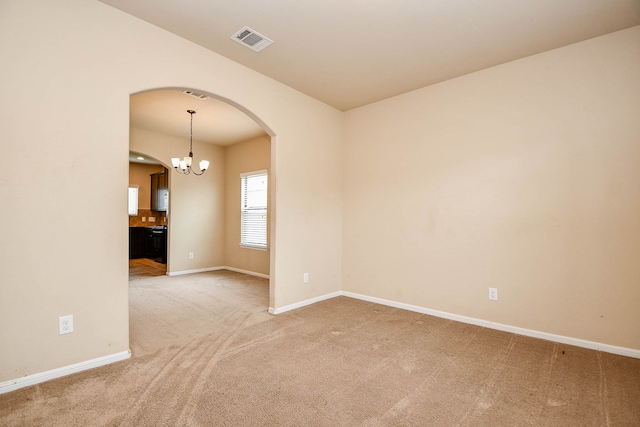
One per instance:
(253, 221)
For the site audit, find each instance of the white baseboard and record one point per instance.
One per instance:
(29, 380)
(622, 351)
(200, 270)
(204, 270)
(250, 273)
(607, 348)
(303, 303)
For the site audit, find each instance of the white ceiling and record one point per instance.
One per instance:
(348, 53)
(215, 122)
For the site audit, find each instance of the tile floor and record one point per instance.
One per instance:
(145, 267)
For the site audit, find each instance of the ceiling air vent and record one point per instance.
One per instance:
(195, 94)
(251, 39)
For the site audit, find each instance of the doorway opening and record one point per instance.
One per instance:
(148, 221)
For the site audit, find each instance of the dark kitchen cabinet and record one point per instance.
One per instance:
(156, 243)
(159, 191)
(148, 242)
(137, 243)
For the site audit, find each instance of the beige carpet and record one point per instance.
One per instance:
(206, 353)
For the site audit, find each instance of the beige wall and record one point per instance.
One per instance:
(524, 177)
(246, 156)
(140, 175)
(82, 60)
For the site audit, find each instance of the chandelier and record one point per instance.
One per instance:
(184, 166)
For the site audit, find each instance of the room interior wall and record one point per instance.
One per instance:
(247, 156)
(82, 60)
(523, 177)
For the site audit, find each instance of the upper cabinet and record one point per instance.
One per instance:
(159, 191)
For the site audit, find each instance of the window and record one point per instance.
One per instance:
(133, 200)
(253, 219)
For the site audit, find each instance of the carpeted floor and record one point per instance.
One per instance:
(206, 353)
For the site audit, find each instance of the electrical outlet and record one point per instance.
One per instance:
(152, 219)
(305, 278)
(65, 324)
(190, 255)
(493, 294)
(144, 219)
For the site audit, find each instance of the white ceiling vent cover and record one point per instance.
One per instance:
(251, 39)
(195, 94)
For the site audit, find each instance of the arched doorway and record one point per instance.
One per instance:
(203, 227)
(160, 129)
